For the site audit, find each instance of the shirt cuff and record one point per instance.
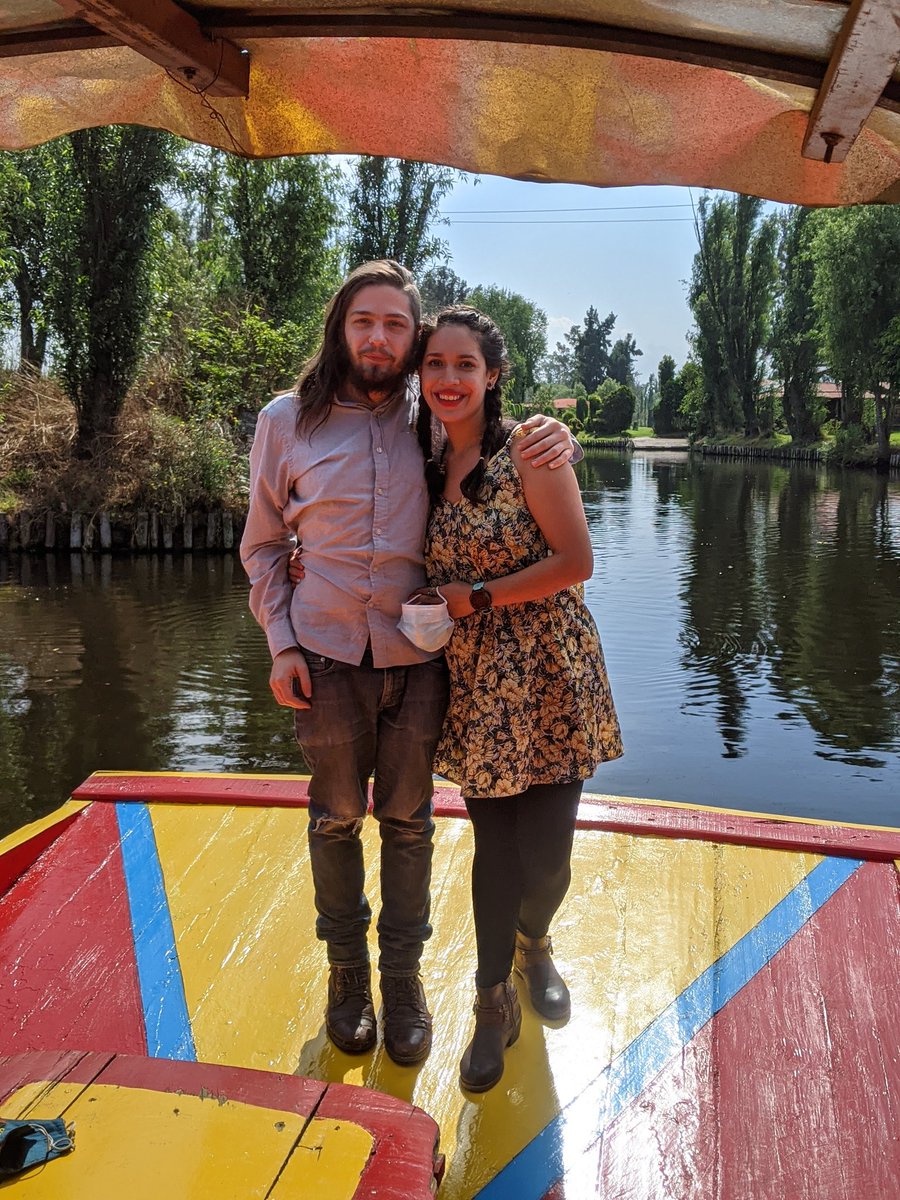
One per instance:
(281, 636)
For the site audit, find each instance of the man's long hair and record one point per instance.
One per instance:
(325, 372)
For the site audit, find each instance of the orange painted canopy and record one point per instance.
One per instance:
(745, 95)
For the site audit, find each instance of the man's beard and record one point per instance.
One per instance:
(375, 377)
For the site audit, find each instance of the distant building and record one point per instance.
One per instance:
(560, 405)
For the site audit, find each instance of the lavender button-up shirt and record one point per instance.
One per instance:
(353, 492)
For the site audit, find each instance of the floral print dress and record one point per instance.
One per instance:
(529, 696)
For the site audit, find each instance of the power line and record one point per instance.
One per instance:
(483, 212)
(597, 221)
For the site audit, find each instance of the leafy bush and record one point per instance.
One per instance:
(851, 447)
(235, 362)
(614, 412)
(190, 462)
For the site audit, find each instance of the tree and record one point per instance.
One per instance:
(621, 359)
(441, 287)
(560, 367)
(857, 296)
(25, 234)
(795, 343)
(524, 328)
(647, 398)
(667, 414)
(614, 412)
(393, 205)
(591, 348)
(107, 189)
(281, 214)
(731, 299)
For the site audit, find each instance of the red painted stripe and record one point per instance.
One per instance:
(196, 789)
(740, 829)
(69, 977)
(406, 1162)
(19, 858)
(794, 1088)
(50, 1065)
(596, 812)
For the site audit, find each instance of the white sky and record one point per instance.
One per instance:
(632, 256)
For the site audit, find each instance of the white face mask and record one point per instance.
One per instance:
(426, 621)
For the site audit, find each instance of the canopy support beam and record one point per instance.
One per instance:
(865, 55)
(169, 36)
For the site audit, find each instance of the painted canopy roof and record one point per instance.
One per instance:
(746, 95)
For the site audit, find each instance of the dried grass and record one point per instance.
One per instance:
(39, 471)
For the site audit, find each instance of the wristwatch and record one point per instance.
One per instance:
(480, 597)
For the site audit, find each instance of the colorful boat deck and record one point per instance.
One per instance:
(736, 1021)
(146, 1128)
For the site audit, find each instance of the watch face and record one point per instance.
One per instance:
(480, 597)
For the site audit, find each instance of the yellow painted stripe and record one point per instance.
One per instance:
(29, 831)
(141, 1144)
(643, 919)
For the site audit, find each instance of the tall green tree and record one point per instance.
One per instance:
(282, 214)
(590, 344)
(26, 230)
(393, 206)
(667, 414)
(795, 341)
(621, 359)
(524, 328)
(560, 366)
(732, 287)
(857, 295)
(440, 287)
(108, 188)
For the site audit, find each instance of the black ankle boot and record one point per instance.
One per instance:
(407, 1021)
(546, 989)
(498, 1020)
(350, 1015)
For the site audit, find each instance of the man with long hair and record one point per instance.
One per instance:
(336, 465)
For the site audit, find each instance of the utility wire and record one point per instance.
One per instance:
(589, 221)
(482, 212)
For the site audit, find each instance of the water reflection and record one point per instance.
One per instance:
(118, 663)
(750, 617)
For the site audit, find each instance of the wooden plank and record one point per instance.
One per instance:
(46, 1066)
(414, 1164)
(613, 814)
(236, 24)
(21, 849)
(794, 1088)
(168, 35)
(69, 977)
(57, 38)
(472, 25)
(865, 54)
(354, 1141)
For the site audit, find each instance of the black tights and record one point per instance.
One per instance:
(521, 869)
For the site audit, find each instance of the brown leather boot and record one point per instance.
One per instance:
(407, 1021)
(350, 1015)
(534, 963)
(498, 1020)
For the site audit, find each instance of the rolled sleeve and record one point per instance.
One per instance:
(267, 541)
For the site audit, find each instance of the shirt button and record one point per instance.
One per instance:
(380, 491)
(378, 533)
(378, 449)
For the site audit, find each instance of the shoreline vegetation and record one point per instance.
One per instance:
(156, 294)
(162, 484)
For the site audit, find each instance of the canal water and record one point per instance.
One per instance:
(750, 616)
